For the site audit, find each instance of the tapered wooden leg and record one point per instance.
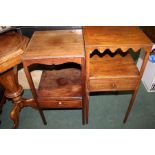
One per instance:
(87, 109)
(83, 116)
(137, 86)
(87, 106)
(130, 106)
(30, 81)
(83, 83)
(87, 84)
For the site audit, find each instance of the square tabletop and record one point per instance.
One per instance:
(55, 44)
(115, 36)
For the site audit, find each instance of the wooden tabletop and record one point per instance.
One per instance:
(55, 43)
(115, 36)
(10, 46)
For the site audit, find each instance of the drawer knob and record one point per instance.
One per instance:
(60, 103)
(114, 85)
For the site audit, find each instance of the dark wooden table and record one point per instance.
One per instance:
(109, 66)
(63, 85)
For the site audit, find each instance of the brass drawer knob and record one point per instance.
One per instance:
(114, 85)
(60, 103)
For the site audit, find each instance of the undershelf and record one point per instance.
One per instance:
(63, 84)
(116, 66)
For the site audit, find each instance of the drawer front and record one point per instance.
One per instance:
(60, 104)
(113, 84)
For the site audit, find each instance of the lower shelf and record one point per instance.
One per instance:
(117, 73)
(60, 89)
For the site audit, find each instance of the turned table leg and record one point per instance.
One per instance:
(14, 91)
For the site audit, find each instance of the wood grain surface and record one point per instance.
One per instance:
(113, 72)
(114, 37)
(62, 84)
(12, 46)
(57, 43)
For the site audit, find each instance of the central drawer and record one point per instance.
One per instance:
(112, 84)
(47, 104)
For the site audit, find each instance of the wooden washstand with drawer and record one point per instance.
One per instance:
(109, 65)
(62, 83)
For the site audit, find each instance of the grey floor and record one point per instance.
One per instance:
(106, 112)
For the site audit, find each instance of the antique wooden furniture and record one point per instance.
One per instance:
(12, 46)
(109, 66)
(63, 85)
